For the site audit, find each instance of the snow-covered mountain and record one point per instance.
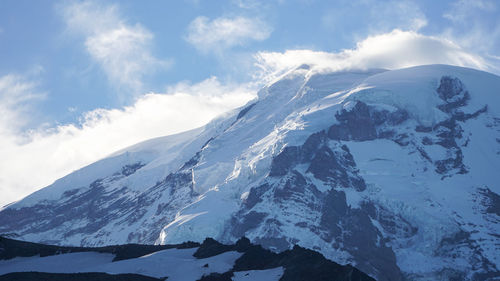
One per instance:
(395, 172)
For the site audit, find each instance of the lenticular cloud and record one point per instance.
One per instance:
(397, 49)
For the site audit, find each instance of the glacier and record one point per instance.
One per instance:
(393, 171)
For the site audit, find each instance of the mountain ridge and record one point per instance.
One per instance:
(21, 260)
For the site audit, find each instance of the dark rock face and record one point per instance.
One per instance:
(227, 276)
(356, 124)
(193, 161)
(298, 263)
(127, 170)
(363, 123)
(333, 165)
(452, 91)
(490, 201)
(10, 248)
(352, 229)
(249, 221)
(330, 167)
(245, 111)
(494, 203)
(210, 248)
(394, 225)
(284, 161)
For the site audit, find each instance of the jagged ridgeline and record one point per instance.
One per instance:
(394, 172)
(210, 260)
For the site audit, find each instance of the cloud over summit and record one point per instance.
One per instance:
(396, 49)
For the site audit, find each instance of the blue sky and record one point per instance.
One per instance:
(80, 79)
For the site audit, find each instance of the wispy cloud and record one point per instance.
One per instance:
(123, 50)
(462, 9)
(373, 16)
(223, 33)
(68, 147)
(17, 97)
(474, 24)
(247, 4)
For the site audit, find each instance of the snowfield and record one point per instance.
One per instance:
(176, 264)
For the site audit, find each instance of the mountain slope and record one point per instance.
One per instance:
(393, 171)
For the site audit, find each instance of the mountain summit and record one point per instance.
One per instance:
(395, 172)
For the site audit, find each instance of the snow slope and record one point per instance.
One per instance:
(176, 264)
(393, 171)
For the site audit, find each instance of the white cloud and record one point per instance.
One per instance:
(393, 50)
(222, 33)
(122, 50)
(37, 158)
(407, 12)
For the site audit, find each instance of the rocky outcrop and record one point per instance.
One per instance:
(298, 263)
